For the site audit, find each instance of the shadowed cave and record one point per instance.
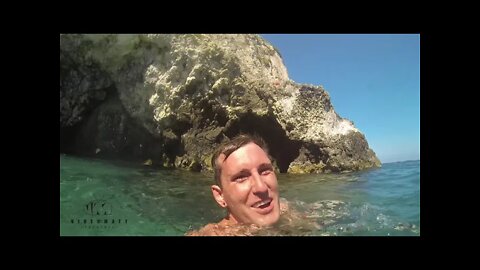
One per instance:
(282, 149)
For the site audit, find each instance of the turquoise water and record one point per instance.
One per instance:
(113, 198)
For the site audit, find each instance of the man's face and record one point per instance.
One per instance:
(249, 186)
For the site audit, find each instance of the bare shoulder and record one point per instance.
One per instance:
(225, 228)
(209, 230)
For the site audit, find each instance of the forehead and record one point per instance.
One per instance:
(246, 157)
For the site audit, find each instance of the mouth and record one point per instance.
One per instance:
(263, 206)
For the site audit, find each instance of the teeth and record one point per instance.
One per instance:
(261, 203)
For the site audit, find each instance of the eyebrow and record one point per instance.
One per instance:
(263, 166)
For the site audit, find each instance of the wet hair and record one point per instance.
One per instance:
(231, 146)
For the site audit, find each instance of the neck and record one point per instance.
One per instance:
(229, 220)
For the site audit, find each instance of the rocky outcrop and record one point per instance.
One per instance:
(174, 98)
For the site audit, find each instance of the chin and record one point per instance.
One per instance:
(269, 219)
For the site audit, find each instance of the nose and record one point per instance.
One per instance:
(259, 185)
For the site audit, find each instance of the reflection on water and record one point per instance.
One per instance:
(383, 201)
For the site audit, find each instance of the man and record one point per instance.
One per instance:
(246, 186)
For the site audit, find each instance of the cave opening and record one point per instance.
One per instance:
(281, 148)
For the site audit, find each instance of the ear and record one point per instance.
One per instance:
(218, 196)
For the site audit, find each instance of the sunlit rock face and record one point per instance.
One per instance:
(173, 98)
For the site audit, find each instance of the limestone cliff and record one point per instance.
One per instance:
(174, 98)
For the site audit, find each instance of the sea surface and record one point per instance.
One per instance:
(117, 198)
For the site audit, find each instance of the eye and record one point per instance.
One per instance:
(265, 171)
(241, 178)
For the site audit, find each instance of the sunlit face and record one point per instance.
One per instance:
(249, 186)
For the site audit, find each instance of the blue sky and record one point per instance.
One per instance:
(373, 80)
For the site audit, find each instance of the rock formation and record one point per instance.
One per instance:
(173, 98)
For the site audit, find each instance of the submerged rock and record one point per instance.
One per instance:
(179, 96)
